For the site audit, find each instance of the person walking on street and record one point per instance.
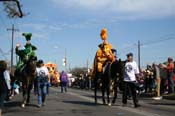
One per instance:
(4, 83)
(64, 81)
(41, 83)
(129, 82)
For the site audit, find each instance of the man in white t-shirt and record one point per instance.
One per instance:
(42, 82)
(129, 82)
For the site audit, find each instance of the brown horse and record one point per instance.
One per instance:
(117, 74)
(111, 79)
(101, 79)
(27, 78)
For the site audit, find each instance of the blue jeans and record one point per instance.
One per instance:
(63, 87)
(41, 90)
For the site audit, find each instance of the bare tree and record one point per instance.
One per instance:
(78, 70)
(12, 8)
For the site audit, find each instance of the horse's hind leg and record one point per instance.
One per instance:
(28, 93)
(108, 94)
(95, 90)
(115, 92)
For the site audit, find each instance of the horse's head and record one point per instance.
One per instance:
(117, 68)
(31, 66)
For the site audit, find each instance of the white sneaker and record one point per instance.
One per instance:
(39, 105)
(157, 98)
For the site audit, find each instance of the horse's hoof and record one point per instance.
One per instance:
(23, 105)
(27, 103)
(109, 104)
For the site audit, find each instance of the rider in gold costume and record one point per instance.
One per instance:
(104, 53)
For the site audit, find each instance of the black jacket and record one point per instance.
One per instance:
(3, 84)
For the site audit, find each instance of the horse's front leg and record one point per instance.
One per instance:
(24, 86)
(115, 92)
(28, 93)
(103, 91)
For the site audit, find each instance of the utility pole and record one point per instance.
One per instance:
(87, 64)
(139, 45)
(65, 60)
(69, 67)
(12, 46)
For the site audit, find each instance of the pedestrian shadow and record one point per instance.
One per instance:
(146, 99)
(31, 105)
(81, 103)
(168, 104)
(12, 104)
(100, 97)
(17, 104)
(92, 96)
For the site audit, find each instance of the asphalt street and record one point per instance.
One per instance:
(81, 103)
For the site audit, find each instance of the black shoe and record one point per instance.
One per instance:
(129, 98)
(124, 105)
(113, 101)
(95, 101)
(104, 102)
(137, 105)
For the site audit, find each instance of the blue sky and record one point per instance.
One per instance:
(76, 24)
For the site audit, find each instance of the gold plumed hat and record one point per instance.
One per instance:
(104, 34)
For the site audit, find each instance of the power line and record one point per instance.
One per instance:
(3, 22)
(139, 45)
(171, 37)
(126, 49)
(3, 54)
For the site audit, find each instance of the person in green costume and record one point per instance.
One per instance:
(25, 54)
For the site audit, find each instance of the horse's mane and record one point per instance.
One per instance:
(30, 66)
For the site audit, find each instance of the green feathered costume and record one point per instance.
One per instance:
(27, 53)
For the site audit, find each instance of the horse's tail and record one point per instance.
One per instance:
(94, 67)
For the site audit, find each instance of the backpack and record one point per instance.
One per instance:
(64, 78)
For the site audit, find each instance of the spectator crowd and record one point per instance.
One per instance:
(159, 78)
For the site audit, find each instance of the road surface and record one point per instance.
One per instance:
(80, 103)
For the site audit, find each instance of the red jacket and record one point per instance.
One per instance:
(170, 67)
